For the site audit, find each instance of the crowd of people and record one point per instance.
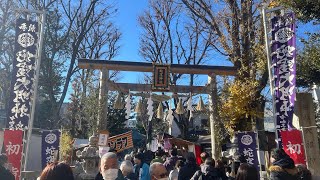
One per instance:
(137, 166)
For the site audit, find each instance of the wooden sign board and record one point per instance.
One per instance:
(103, 138)
(161, 77)
(121, 142)
(304, 109)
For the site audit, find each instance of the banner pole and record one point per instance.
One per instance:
(32, 116)
(267, 43)
(305, 147)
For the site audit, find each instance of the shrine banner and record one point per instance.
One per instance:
(13, 147)
(284, 62)
(23, 74)
(121, 142)
(50, 147)
(248, 147)
(293, 145)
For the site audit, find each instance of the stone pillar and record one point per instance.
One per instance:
(213, 110)
(103, 100)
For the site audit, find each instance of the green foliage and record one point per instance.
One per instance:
(66, 142)
(308, 63)
(307, 10)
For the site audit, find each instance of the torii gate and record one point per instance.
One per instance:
(211, 89)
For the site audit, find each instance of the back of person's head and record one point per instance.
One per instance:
(179, 164)
(127, 157)
(219, 164)
(209, 161)
(304, 172)
(190, 158)
(174, 152)
(158, 153)
(126, 168)
(278, 154)
(3, 159)
(247, 172)
(139, 156)
(57, 171)
(204, 156)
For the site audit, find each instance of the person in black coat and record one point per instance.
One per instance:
(4, 173)
(283, 167)
(189, 169)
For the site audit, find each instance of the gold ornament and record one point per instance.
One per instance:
(180, 109)
(200, 105)
(138, 107)
(160, 111)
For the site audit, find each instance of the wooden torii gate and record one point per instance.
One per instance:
(211, 89)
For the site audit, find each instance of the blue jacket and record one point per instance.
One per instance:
(143, 172)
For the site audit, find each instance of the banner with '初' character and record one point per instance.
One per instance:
(293, 145)
(50, 146)
(248, 147)
(13, 146)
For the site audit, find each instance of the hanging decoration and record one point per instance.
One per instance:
(118, 103)
(138, 107)
(189, 107)
(170, 116)
(160, 111)
(150, 107)
(128, 106)
(179, 109)
(201, 107)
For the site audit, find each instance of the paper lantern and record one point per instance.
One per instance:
(160, 111)
(179, 108)
(201, 106)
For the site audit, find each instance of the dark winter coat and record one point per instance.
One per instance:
(187, 171)
(170, 163)
(207, 172)
(283, 169)
(5, 174)
(131, 176)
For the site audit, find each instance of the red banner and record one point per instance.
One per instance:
(293, 145)
(13, 146)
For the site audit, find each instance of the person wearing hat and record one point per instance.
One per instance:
(283, 167)
(4, 172)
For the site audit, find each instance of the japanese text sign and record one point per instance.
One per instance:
(121, 142)
(50, 146)
(293, 145)
(160, 77)
(284, 62)
(23, 74)
(248, 147)
(12, 144)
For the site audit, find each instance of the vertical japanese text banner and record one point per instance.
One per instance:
(248, 147)
(283, 47)
(23, 74)
(293, 145)
(50, 146)
(12, 144)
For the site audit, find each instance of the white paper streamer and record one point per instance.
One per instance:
(150, 108)
(128, 106)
